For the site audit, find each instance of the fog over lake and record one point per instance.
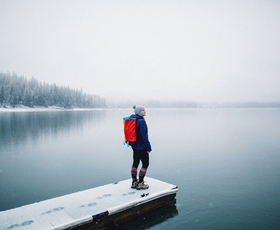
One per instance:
(225, 161)
(214, 51)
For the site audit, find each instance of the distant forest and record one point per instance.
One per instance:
(18, 90)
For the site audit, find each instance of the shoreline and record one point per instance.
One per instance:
(10, 109)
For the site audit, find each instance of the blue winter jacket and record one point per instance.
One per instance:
(142, 139)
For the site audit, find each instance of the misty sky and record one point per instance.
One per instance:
(190, 50)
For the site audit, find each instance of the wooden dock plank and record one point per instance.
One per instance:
(79, 208)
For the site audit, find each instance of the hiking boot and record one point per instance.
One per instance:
(142, 186)
(134, 184)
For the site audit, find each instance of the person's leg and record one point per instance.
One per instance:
(135, 164)
(143, 170)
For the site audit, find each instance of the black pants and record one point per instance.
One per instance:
(140, 155)
(143, 156)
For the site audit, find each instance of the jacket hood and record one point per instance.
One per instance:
(136, 116)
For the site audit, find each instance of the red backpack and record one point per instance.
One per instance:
(129, 128)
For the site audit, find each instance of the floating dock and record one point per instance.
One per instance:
(96, 208)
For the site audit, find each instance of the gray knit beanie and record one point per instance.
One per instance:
(138, 109)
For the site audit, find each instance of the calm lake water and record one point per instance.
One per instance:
(226, 162)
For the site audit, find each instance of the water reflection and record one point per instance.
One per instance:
(17, 128)
(40, 152)
(151, 219)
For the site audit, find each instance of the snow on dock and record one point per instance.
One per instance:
(100, 207)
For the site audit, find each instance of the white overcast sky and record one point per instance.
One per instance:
(211, 50)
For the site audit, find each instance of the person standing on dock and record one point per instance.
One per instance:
(141, 149)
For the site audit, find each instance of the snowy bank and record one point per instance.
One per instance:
(40, 109)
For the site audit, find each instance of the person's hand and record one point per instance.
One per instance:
(148, 151)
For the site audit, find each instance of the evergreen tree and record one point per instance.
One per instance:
(16, 90)
(2, 94)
